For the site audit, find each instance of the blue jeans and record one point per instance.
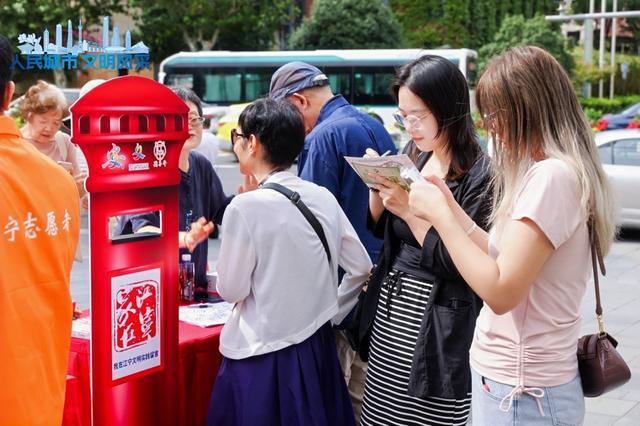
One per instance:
(497, 404)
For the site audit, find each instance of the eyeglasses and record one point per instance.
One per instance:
(403, 122)
(196, 121)
(235, 135)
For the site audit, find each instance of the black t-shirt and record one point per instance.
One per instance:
(201, 195)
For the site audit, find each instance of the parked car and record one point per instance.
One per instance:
(619, 120)
(619, 152)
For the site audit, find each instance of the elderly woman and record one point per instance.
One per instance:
(43, 109)
(280, 364)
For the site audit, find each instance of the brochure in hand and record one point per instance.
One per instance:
(397, 168)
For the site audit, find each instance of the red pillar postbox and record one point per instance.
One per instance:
(131, 130)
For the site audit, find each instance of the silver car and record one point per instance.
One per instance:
(620, 155)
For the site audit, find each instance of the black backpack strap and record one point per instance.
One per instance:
(294, 197)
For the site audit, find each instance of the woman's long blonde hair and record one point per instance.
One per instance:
(532, 112)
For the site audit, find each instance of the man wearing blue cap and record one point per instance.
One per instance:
(335, 129)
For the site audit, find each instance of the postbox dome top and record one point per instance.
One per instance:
(123, 93)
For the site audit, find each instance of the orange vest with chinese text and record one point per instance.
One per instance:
(39, 227)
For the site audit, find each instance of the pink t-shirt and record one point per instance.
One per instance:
(535, 343)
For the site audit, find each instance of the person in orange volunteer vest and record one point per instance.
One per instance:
(39, 226)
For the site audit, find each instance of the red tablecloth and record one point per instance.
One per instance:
(199, 362)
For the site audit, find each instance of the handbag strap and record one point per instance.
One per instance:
(596, 258)
(294, 197)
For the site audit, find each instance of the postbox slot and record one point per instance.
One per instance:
(124, 124)
(143, 124)
(178, 121)
(105, 124)
(85, 125)
(160, 125)
(121, 227)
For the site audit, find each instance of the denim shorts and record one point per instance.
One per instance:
(561, 405)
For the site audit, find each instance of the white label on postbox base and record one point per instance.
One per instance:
(135, 319)
(160, 151)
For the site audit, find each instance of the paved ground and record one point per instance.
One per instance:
(620, 298)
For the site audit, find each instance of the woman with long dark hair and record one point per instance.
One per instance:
(419, 311)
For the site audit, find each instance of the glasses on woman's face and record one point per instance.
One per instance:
(412, 120)
(196, 121)
(235, 134)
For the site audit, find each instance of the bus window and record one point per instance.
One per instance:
(372, 85)
(180, 80)
(222, 86)
(339, 81)
(256, 83)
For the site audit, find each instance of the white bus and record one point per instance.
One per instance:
(363, 77)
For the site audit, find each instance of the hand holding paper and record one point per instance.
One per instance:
(389, 167)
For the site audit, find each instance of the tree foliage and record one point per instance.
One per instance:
(460, 23)
(348, 24)
(169, 26)
(518, 31)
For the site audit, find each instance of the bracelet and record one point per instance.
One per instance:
(471, 229)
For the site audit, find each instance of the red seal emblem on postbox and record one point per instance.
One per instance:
(136, 316)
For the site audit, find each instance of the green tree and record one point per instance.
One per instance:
(348, 24)
(169, 26)
(518, 31)
(460, 23)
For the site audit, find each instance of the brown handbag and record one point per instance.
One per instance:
(602, 369)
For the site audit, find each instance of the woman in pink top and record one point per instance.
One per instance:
(532, 268)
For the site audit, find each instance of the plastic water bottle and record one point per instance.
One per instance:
(187, 276)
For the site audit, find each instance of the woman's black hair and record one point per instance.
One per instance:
(443, 88)
(278, 125)
(189, 95)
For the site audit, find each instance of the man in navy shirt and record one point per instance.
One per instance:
(335, 129)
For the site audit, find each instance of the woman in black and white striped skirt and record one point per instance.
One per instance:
(421, 314)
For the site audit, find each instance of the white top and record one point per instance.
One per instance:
(274, 267)
(535, 343)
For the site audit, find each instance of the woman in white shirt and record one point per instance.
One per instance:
(280, 364)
